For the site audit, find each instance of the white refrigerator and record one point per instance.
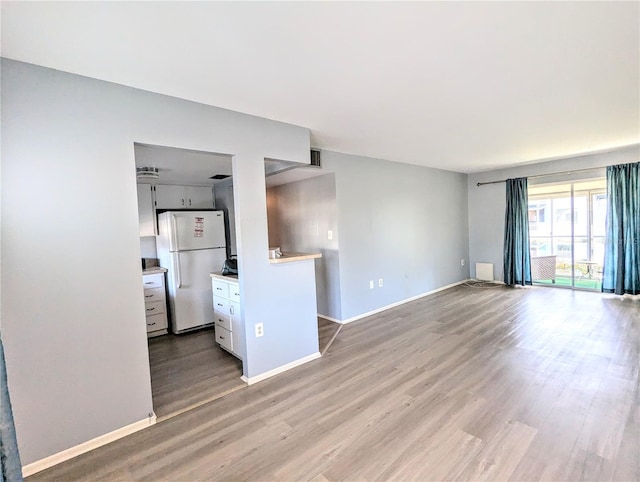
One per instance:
(191, 244)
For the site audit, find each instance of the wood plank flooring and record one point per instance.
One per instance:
(467, 384)
(189, 370)
(327, 333)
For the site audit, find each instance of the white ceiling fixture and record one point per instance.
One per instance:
(147, 173)
(464, 86)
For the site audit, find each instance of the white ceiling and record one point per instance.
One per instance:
(464, 86)
(196, 168)
(182, 166)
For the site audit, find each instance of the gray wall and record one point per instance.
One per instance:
(300, 214)
(487, 203)
(148, 247)
(72, 301)
(223, 200)
(403, 223)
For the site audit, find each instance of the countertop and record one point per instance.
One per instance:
(154, 270)
(233, 278)
(292, 256)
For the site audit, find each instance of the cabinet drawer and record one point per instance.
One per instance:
(224, 338)
(223, 320)
(234, 292)
(154, 307)
(221, 305)
(220, 288)
(153, 280)
(156, 322)
(154, 294)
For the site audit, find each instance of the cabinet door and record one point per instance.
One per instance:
(170, 197)
(199, 197)
(146, 218)
(237, 329)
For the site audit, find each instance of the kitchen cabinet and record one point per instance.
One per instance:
(146, 213)
(183, 197)
(199, 197)
(228, 314)
(155, 303)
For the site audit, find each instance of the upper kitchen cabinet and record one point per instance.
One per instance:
(146, 217)
(183, 197)
(199, 197)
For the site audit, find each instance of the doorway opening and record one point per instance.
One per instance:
(566, 233)
(187, 364)
(302, 217)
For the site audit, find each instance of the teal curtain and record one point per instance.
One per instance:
(517, 259)
(621, 272)
(10, 466)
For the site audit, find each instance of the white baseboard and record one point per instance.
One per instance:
(87, 446)
(325, 317)
(398, 303)
(283, 368)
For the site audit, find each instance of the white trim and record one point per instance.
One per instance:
(398, 303)
(87, 446)
(325, 317)
(283, 368)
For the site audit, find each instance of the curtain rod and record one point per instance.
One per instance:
(544, 175)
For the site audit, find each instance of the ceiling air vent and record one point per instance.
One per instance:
(146, 173)
(315, 157)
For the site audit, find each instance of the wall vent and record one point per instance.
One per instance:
(315, 157)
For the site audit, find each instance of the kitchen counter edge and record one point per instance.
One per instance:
(154, 270)
(231, 279)
(291, 257)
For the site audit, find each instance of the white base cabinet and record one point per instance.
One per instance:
(228, 314)
(155, 304)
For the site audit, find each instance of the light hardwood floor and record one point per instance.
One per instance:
(189, 370)
(466, 384)
(327, 333)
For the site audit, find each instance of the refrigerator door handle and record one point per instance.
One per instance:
(173, 232)
(176, 266)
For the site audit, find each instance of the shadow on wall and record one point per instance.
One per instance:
(302, 217)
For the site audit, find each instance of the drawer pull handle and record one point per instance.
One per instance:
(231, 309)
(220, 304)
(219, 289)
(149, 282)
(236, 294)
(148, 296)
(151, 309)
(221, 337)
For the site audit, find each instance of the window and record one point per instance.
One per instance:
(567, 246)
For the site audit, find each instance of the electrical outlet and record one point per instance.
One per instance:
(462, 262)
(259, 330)
(371, 284)
(329, 235)
(380, 283)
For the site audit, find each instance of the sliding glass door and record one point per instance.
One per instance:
(566, 229)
